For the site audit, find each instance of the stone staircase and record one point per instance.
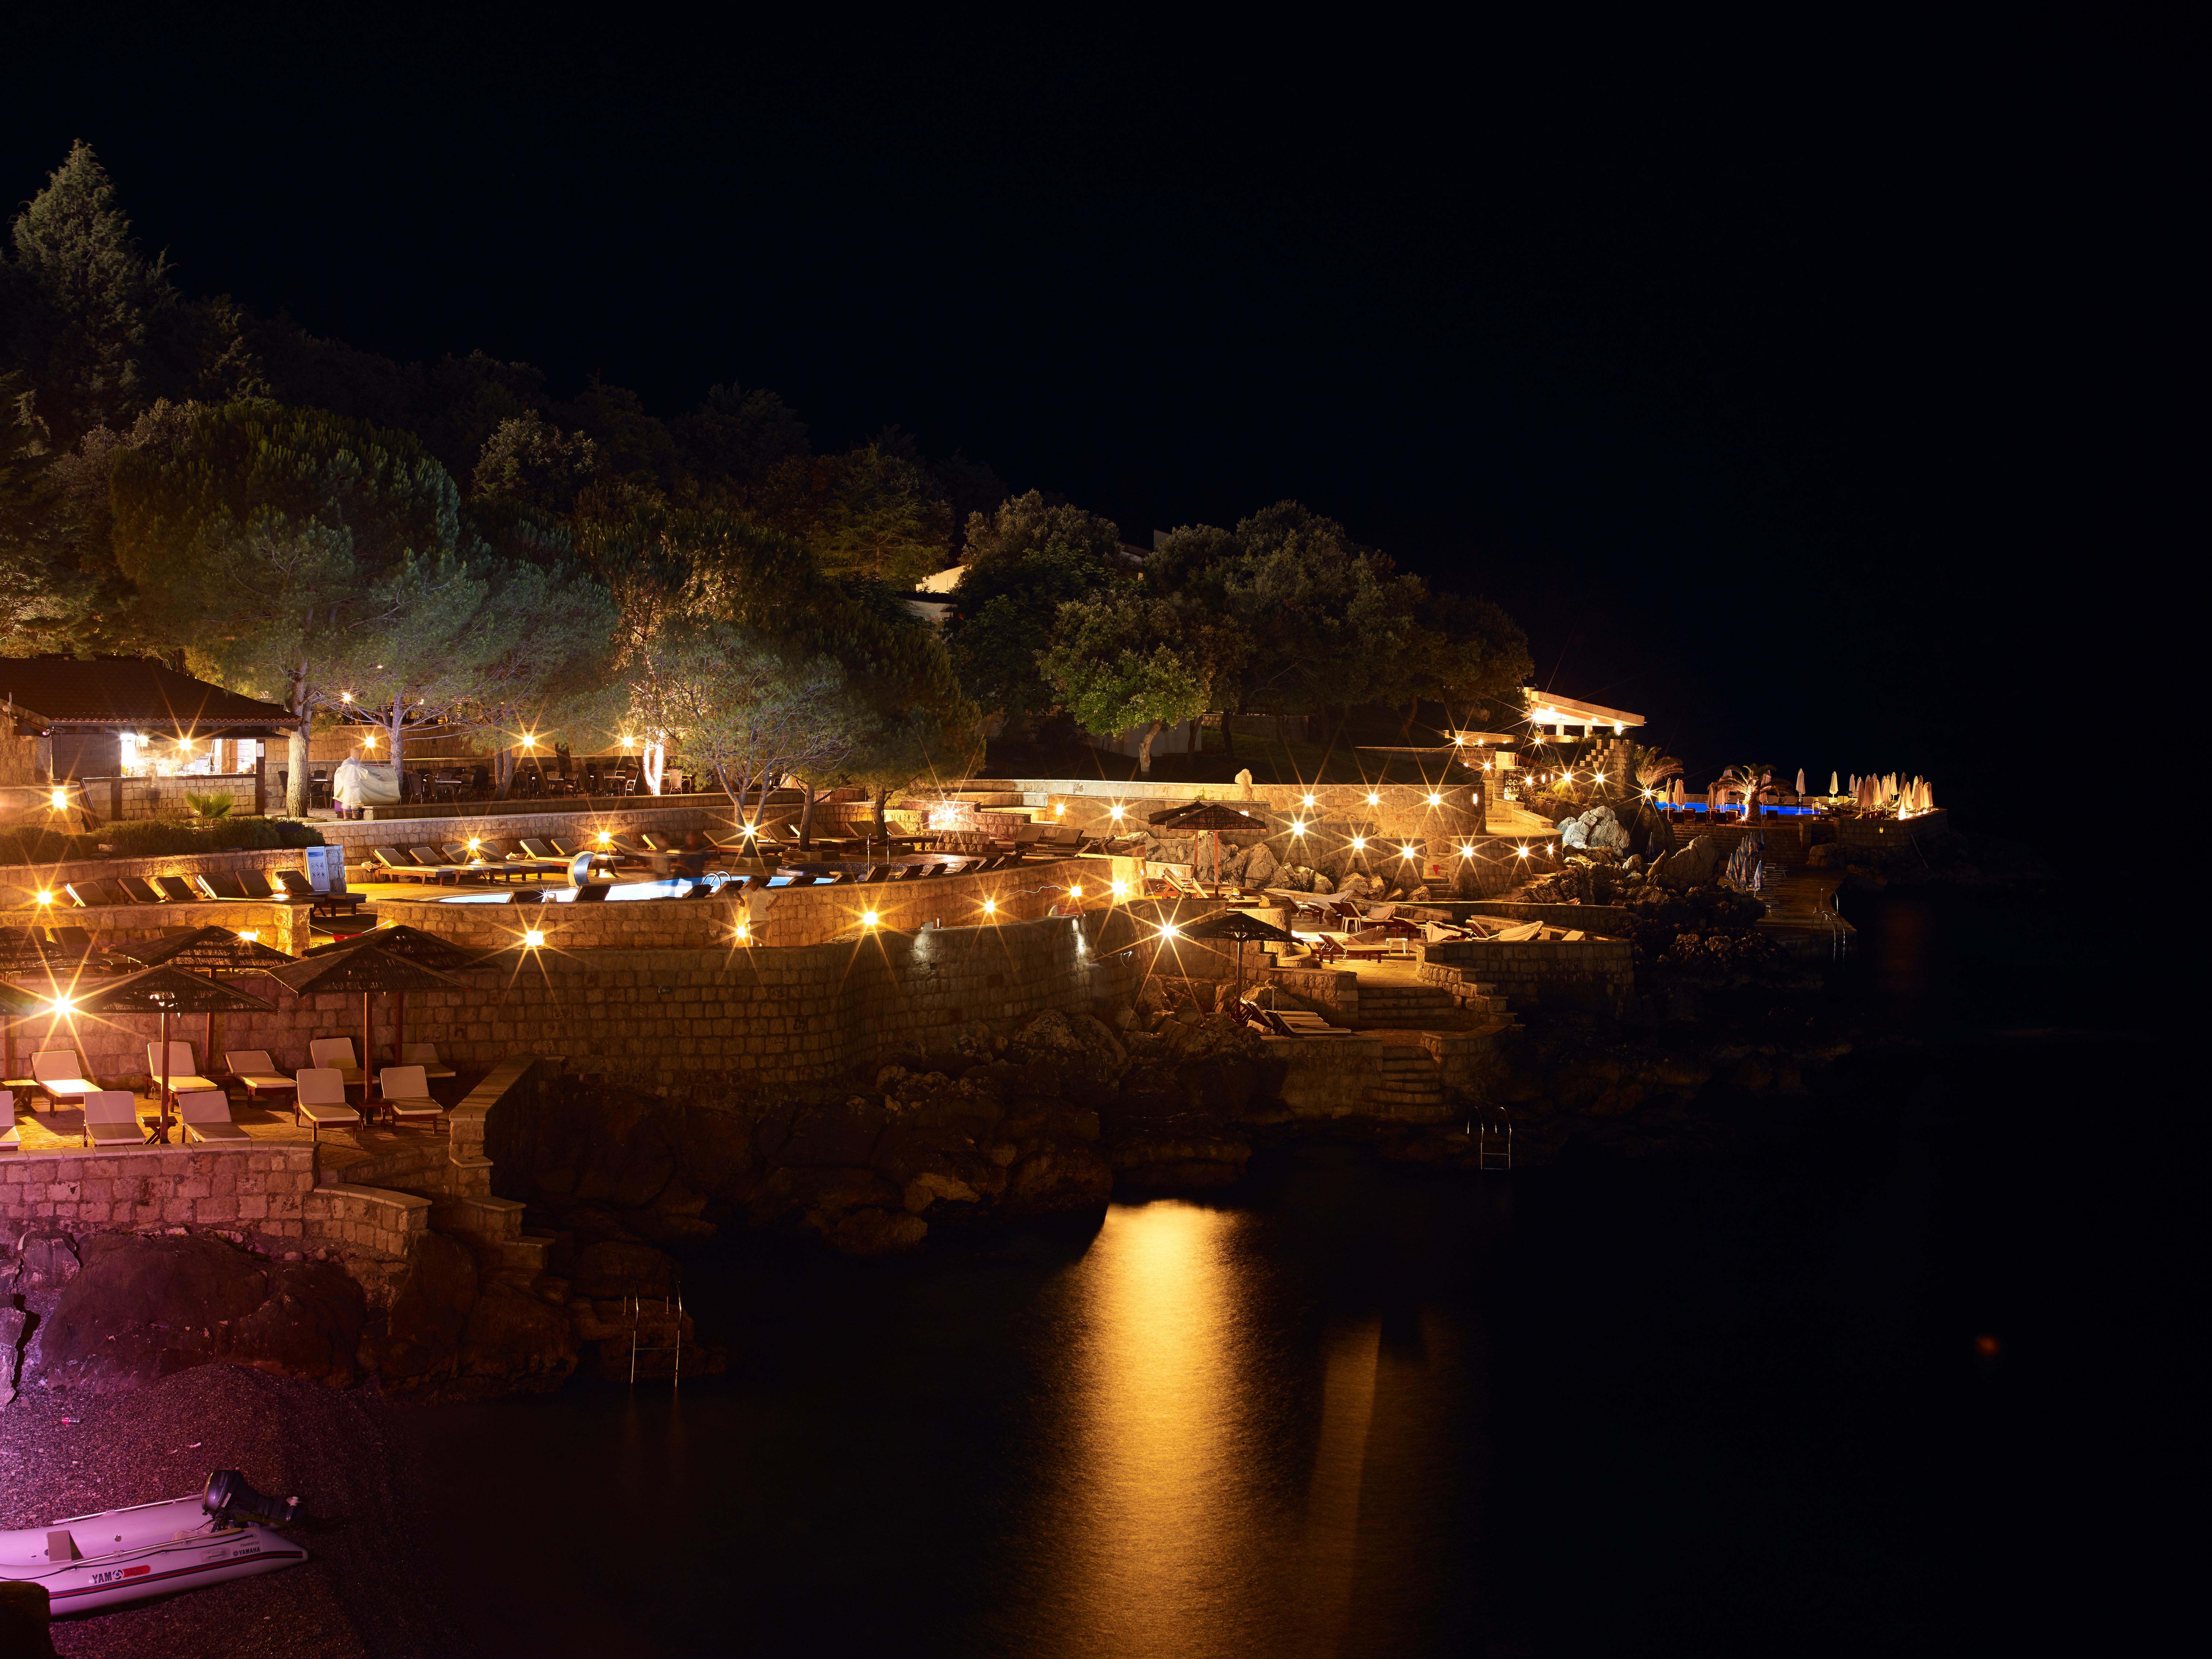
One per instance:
(1479, 1005)
(1413, 1083)
(1390, 1005)
(492, 1229)
(452, 1171)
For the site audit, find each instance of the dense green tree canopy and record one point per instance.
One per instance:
(288, 552)
(1023, 562)
(1118, 661)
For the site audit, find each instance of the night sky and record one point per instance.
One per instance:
(1792, 402)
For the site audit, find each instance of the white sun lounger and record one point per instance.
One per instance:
(11, 1137)
(425, 1055)
(184, 1074)
(334, 1054)
(407, 1096)
(62, 1075)
(111, 1119)
(206, 1116)
(253, 1067)
(322, 1100)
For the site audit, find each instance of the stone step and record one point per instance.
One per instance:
(522, 1261)
(487, 1221)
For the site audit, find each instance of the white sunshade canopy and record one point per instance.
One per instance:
(1550, 710)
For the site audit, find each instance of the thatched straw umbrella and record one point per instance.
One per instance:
(207, 949)
(1239, 925)
(1204, 817)
(398, 938)
(367, 968)
(162, 990)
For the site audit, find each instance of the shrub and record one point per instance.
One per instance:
(150, 838)
(209, 806)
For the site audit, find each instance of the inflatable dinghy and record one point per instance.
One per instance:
(92, 1561)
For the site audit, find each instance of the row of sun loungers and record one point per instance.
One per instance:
(276, 886)
(112, 1116)
(317, 1091)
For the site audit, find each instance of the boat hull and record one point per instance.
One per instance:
(155, 1549)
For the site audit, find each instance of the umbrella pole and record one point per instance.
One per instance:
(163, 1100)
(365, 1073)
(400, 1028)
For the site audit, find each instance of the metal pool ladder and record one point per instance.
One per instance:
(1493, 1141)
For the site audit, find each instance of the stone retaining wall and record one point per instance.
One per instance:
(18, 883)
(665, 1017)
(1401, 811)
(283, 926)
(1324, 1077)
(366, 1218)
(110, 799)
(261, 1188)
(777, 916)
(1591, 975)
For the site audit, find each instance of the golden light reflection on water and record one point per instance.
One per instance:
(1159, 1426)
(1180, 1522)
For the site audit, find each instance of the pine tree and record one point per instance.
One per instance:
(83, 294)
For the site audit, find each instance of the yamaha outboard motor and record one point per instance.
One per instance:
(227, 1494)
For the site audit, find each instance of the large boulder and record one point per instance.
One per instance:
(45, 1258)
(15, 1323)
(835, 1133)
(310, 1326)
(815, 1199)
(144, 1306)
(418, 1340)
(1689, 867)
(513, 1340)
(1610, 832)
(871, 1233)
(1573, 832)
(613, 1269)
(929, 1166)
(1087, 1055)
(1261, 867)
(1060, 1179)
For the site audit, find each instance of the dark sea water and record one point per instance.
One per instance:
(1893, 1377)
